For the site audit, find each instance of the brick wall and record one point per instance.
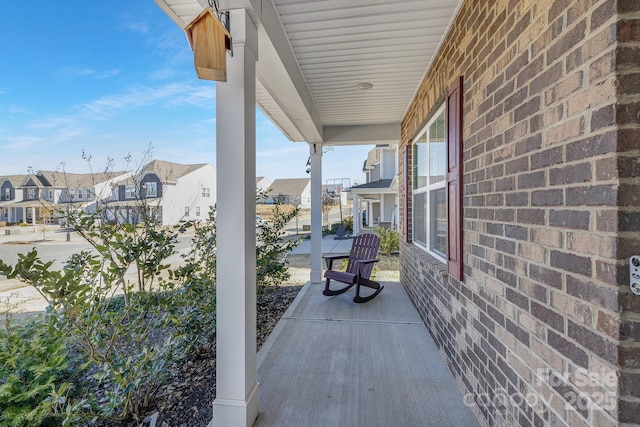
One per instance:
(543, 330)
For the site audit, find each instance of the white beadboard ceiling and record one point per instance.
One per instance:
(321, 50)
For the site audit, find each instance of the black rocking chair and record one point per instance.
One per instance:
(361, 258)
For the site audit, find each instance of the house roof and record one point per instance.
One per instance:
(57, 179)
(290, 186)
(15, 180)
(169, 171)
(379, 184)
(317, 57)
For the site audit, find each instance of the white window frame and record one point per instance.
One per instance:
(7, 193)
(186, 211)
(147, 189)
(51, 195)
(80, 193)
(130, 191)
(197, 210)
(429, 187)
(89, 193)
(206, 192)
(31, 193)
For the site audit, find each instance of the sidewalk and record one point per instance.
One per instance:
(36, 234)
(329, 246)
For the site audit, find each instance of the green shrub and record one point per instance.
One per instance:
(127, 328)
(33, 369)
(389, 240)
(348, 223)
(271, 248)
(334, 227)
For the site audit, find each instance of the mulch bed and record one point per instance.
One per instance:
(186, 400)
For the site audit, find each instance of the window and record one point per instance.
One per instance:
(197, 210)
(80, 193)
(50, 194)
(186, 211)
(7, 194)
(206, 192)
(436, 172)
(429, 186)
(151, 189)
(89, 193)
(72, 194)
(31, 193)
(129, 191)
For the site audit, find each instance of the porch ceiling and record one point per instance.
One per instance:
(313, 55)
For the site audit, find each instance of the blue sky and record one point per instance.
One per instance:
(110, 79)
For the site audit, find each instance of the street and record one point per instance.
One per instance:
(296, 225)
(52, 245)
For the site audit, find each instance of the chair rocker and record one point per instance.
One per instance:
(361, 258)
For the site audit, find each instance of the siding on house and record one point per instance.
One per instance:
(291, 191)
(551, 211)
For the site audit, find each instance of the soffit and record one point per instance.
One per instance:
(313, 54)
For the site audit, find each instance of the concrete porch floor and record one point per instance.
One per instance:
(330, 362)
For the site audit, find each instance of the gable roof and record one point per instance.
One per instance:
(289, 186)
(169, 171)
(57, 179)
(15, 180)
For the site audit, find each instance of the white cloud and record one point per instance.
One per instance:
(13, 109)
(171, 95)
(107, 74)
(87, 72)
(134, 25)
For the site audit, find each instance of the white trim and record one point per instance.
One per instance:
(427, 189)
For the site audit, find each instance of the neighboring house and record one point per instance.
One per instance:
(262, 184)
(292, 191)
(375, 203)
(48, 195)
(10, 197)
(169, 192)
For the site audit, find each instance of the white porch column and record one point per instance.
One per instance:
(357, 216)
(316, 212)
(237, 402)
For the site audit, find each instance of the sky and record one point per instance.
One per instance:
(81, 80)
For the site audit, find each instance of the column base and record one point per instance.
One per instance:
(316, 277)
(236, 413)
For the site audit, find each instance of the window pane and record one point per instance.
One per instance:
(420, 218)
(420, 162)
(438, 221)
(437, 150)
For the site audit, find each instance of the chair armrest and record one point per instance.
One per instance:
(330, 258)
(367, 261)
(362, 262)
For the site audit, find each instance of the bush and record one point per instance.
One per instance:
(33, 368)
(389, 240)
(271, 265)
(348, 224)
(126, 328)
